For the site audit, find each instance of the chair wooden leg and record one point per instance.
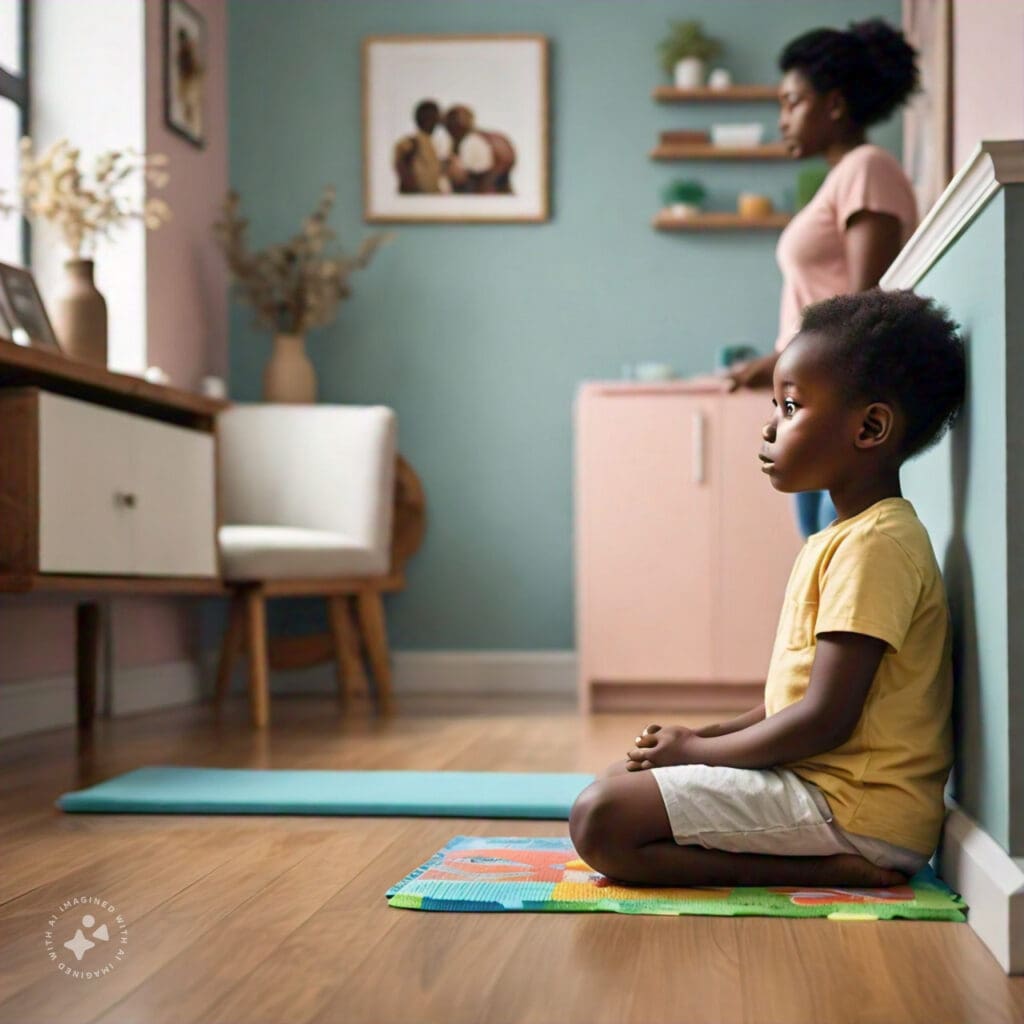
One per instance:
(375, 636)
(256, 648)
(352, 683)
(233, 641)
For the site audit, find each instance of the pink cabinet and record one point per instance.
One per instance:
(683, 548)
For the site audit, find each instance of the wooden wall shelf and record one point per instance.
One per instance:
(666, 221)
(734, 94)
(707, 151)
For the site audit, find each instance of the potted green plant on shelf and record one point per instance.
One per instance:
(685, 52)
(683, 197)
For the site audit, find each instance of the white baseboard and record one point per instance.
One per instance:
(35, 705)
(992, 884)
(479, 673)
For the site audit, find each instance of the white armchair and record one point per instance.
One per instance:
(307, 497)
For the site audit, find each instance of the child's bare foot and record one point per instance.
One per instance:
(850, 870)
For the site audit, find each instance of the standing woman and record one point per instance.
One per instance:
(835, 85)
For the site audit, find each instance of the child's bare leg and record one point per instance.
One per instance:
(619, 826)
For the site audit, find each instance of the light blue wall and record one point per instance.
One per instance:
(479, 335)
(968, 493)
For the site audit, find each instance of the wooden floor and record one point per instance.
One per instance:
(246, 920)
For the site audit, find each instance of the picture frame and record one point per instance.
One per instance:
(185, 64)
(455, 128)
(23, 316)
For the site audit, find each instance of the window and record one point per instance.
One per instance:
(14, 111)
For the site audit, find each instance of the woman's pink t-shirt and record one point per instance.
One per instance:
(811, 252)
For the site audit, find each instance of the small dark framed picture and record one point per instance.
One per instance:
(185, 71)
(22, 313)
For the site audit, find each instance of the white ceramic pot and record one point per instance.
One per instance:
(684, 209)
(689, 73)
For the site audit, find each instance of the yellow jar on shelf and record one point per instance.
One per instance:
(753, 205)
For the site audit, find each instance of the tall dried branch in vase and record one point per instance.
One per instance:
(297, 285)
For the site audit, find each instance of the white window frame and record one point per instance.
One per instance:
(16, 88)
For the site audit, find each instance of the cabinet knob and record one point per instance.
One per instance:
(125, 499)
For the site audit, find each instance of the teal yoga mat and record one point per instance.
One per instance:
(177, 790)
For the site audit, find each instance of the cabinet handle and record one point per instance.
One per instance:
(125, 499)
(699, 475)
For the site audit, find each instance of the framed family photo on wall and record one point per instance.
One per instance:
(185, 71)
(455, 128)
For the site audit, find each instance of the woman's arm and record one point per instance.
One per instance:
(844, 668)
(872, 242)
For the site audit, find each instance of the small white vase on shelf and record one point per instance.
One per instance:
(289, 375)
(689, 73)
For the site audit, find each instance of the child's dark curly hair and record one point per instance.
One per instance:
(871, 64)
(896, 347)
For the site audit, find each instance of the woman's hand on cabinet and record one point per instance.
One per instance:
(754, 373)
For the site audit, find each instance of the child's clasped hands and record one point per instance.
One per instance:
(657, 747)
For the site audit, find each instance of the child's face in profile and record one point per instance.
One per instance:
(808, 444)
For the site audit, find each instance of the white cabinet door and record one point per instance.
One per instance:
(86, 522)
(123, 495)
(175, 531)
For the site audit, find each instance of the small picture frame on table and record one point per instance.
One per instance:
(185, 71)
(23, 316)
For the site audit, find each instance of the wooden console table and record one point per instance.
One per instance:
(107, 486)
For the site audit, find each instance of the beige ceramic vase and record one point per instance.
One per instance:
(81, 315)
(289, 375)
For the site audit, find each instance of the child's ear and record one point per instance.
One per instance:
(876, 427)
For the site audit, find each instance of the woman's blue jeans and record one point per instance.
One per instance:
(814, 511)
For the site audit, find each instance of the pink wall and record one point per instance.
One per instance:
(186, 281)
(988, 73)
(187, 337)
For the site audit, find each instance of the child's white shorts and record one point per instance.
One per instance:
(770, 811)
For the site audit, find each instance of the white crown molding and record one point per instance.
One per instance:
(991, 883)
(992, 165)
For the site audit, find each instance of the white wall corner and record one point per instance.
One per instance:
(991, 883)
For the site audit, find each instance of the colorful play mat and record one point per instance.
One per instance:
(474, 873)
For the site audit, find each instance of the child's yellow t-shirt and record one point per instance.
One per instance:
(876, 574)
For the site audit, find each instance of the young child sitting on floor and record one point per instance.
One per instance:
(837, 777)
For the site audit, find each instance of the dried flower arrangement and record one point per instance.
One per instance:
(54, 187)
(294, 286)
